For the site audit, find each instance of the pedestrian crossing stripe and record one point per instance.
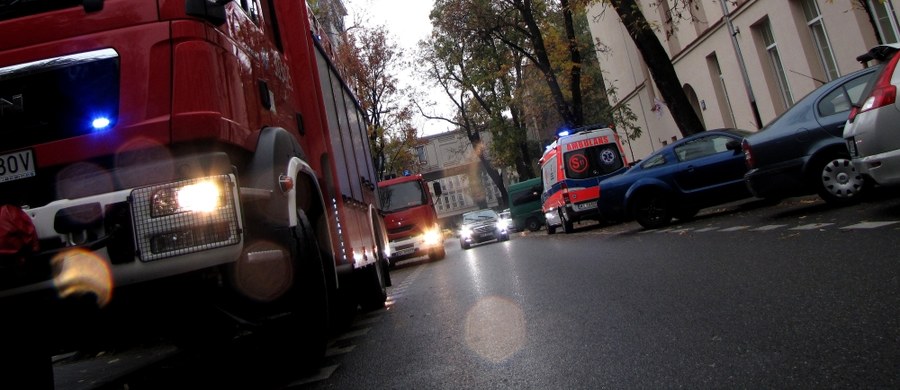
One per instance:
(870, 225)
(812, 226)
(765, 228)
(735, 228)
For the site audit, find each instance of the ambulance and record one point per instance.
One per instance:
(571, 170)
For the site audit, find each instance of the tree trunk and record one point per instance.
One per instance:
(575, 57)
(660, 66)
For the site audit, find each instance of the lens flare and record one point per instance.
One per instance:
(495, 328)
(78, 273)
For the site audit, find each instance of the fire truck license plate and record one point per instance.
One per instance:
(403, 252)
(17, 165)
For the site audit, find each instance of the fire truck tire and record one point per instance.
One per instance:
(551, 229)
(437, 253)
(372, 287)
(306, 329)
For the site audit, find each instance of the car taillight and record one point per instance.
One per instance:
(565, 193)
(748, 154)
(883, 93)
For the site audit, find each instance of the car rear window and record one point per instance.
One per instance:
(593, 161)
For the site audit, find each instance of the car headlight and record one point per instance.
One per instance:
(503, 224)
(465, 232)
(432, 237)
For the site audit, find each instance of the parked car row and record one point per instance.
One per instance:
(833, 142)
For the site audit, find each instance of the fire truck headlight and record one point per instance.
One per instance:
(432, 237)
(204, 196)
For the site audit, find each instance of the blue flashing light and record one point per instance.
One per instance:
(563, 133)
(100, 123)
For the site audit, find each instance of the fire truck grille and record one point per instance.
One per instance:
(401, 229)
(58, 98)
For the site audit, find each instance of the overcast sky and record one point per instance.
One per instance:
(408, 22)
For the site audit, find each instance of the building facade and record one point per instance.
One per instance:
(781, 50)
(448, 159)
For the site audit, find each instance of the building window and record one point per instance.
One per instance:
(420, 155)
(768, 38)
(885, 20)
(721, 91)
(820, 38)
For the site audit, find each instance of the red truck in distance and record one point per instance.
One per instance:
(179, 167)
(411, 221)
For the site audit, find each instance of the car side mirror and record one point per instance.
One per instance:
(437, 188)
(734, 145)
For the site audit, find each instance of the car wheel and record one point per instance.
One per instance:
(532, 224)
(464, 245)
(652, 211)
(567, 225)
(838, 181)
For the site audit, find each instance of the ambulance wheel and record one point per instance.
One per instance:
(567, 225)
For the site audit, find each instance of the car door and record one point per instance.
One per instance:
(707, 168)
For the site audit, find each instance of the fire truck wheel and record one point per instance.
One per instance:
(307, 326)
(437, 254)
(372, 292)
(551, 229)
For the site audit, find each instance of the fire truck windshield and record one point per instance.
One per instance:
(401, 195)
(10, 9)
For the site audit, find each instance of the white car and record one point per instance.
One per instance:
(871, 131)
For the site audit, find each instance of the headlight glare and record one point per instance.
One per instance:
(465, 232)
(204, 196)
(432, 237)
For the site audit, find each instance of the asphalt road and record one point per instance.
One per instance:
(795, 295)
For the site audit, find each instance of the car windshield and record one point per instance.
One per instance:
(479, 215)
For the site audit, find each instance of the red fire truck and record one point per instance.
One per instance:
(410, 218)
(177, 161)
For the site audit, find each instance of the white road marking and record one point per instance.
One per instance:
(767, 228)
(355, 333)
(323, 374)
(812, 226)
(736, 228)
(334, 351)
(709, 229)
(870, 225)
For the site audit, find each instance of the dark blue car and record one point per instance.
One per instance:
(678, 180)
